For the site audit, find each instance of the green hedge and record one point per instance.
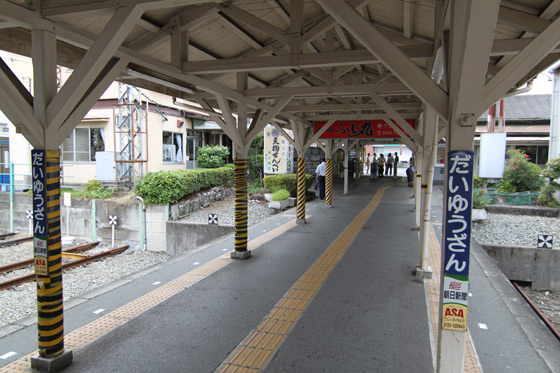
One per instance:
(286, 181)
(164, 187)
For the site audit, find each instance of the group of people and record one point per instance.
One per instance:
(382, 166)
(379, 166)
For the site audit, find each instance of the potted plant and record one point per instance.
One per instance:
(279, 200)
(480, 201)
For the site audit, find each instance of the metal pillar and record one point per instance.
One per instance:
(130, 137)
(346, 155)
(12, 191)
(240, 184)
(554, 142)
(301, 190)
(429, 158)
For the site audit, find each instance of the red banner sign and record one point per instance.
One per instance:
(361, 129)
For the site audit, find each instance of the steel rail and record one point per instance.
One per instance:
(28, 262)
(5, 235)
(15, 242)
(541, 314)
(31, 277)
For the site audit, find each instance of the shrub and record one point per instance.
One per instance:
(286, 181)
(94, 189)
(212, 156)
(280, 195)
(170, 186)
(547, 192)
(477, 182)
(481, 199)
(520, 175)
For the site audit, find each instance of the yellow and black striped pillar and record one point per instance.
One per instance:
(47, 254)
(329, 182)
(301, 191)
(240, 183)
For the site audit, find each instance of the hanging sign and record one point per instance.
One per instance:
(278, 153)
(457, 240)
(362, 129)
(38, 159)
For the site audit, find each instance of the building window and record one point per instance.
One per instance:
(172, 147)
(82, 144)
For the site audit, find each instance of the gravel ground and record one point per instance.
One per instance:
(522, 230)
(20, 301)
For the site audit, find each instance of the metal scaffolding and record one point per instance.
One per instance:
(130, 129)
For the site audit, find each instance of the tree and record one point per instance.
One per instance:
(520, 175)
(552, 173)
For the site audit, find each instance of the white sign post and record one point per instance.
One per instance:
(113, 222)
(29, 215)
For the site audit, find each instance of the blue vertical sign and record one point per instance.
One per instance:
(38, 159)
(457, 240)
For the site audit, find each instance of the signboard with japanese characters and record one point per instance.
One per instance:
(457, 240)
(38, 159)
(362, 129)
(278, 153)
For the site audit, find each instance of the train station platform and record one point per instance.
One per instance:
(337, 294)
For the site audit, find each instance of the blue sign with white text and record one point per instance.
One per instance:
(458, 213)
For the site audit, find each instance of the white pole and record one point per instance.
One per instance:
(112, 236)
(346, 155)
(554, 142)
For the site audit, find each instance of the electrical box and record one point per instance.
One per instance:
(105, 166)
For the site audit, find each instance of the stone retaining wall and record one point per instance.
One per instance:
(540, 267)
(524, 210)
(89, 220)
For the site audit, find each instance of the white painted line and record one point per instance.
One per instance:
(99, 311)
(264, 230)
(8, 355)
(157, 283)
(196, 263)
(224, 249)
(482, 326)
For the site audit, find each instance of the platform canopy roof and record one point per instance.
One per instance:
(312, 58)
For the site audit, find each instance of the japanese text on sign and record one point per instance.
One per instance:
(360, 129)
(39, 211)
(457, 240)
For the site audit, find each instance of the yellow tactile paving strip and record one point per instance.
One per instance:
(432, 288)
(96, 329)
(258, 348)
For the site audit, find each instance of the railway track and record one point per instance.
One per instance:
(540, 313)
(6, 235)
(29, 262)
(17, 241)
(75, 263)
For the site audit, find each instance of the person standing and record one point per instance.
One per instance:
(380, 164)
(320, 177)
(373, 174)
(395, 165)
(389, 162)
(368, 162)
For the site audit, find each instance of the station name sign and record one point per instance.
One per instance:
(457, 240)
(361, 129)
